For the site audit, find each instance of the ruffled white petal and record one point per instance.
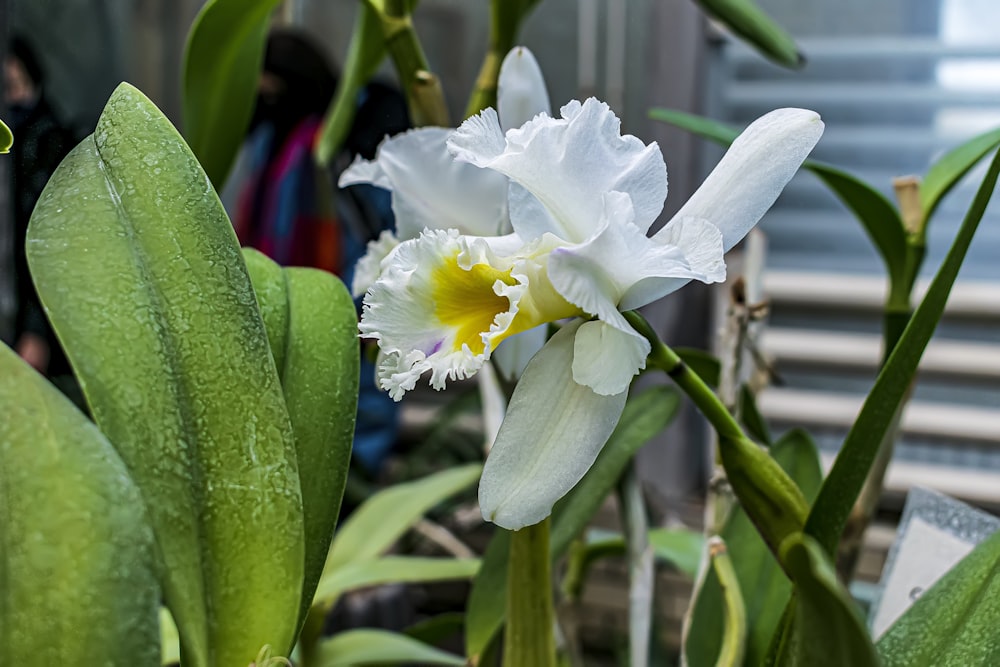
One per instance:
(369, 267)
(700, 243)
(554, 430)
(521, 93)
(431, 190)
(568, 164)
(606, 357)
(753, 172)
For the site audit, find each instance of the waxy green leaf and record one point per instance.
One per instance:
(140, 272)
(747, 20)
(645, 415)
(77, 557)
(356, 648)
(840, 490)
(312, 328)
(222, 62)
(954, 624)
(947, 171)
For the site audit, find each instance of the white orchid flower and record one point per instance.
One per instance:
(581, 203)
(431, 190)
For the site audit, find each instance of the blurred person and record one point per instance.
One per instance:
(40, 143)
(288, 208)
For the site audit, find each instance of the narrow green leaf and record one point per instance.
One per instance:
(384, 517)
(6, 138)
(390, 569)
(827, 629)
(356, 648)
(222, 61)
(954, 624)
(364, 55)
(752, 420)
(437, 629)
(840, 490)
(746, 19)
(140, 272)
(732, 648)
(77, 555)
(645, 415)
(947, 171)
(877, 215)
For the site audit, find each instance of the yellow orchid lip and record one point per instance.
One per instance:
(465, 301)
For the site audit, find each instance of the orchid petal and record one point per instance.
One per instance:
(606, 357)
(521, 93)
(554, 430)
(753, 173)
(369, 267)
(430, 189)
(568, 164)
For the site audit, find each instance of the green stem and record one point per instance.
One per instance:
(422, 88)
(734, 631)
(528, 641)
(768, 495)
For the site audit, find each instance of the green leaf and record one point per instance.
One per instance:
(390, 569)
(764, 587)
(954, 624)
(681, 547)
(645, 415)
(384, 517)
(355, 648)
(876, 213)
(77, 558)
(222, 62)
(139, 270)
(947, 171)
(752, 419)
(706, 128)
(840, 490)
(364, 55)
(826, 629)
(6, 138)
(311, 316)
(746, 19)
(732, 648)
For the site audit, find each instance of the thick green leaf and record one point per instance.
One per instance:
(268, 282)
(77, 557)
(764, 586)
(390, 569)
(6, 138)
(355, 648)
(827, 629)
(840, 490)
(140, 272)
(876, 213)
(384, 517)
(364, 55)
(645, 415)
(954, 624)
(951, 167)
(222, 61)
(747, 20)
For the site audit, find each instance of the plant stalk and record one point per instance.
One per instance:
(528, 640)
